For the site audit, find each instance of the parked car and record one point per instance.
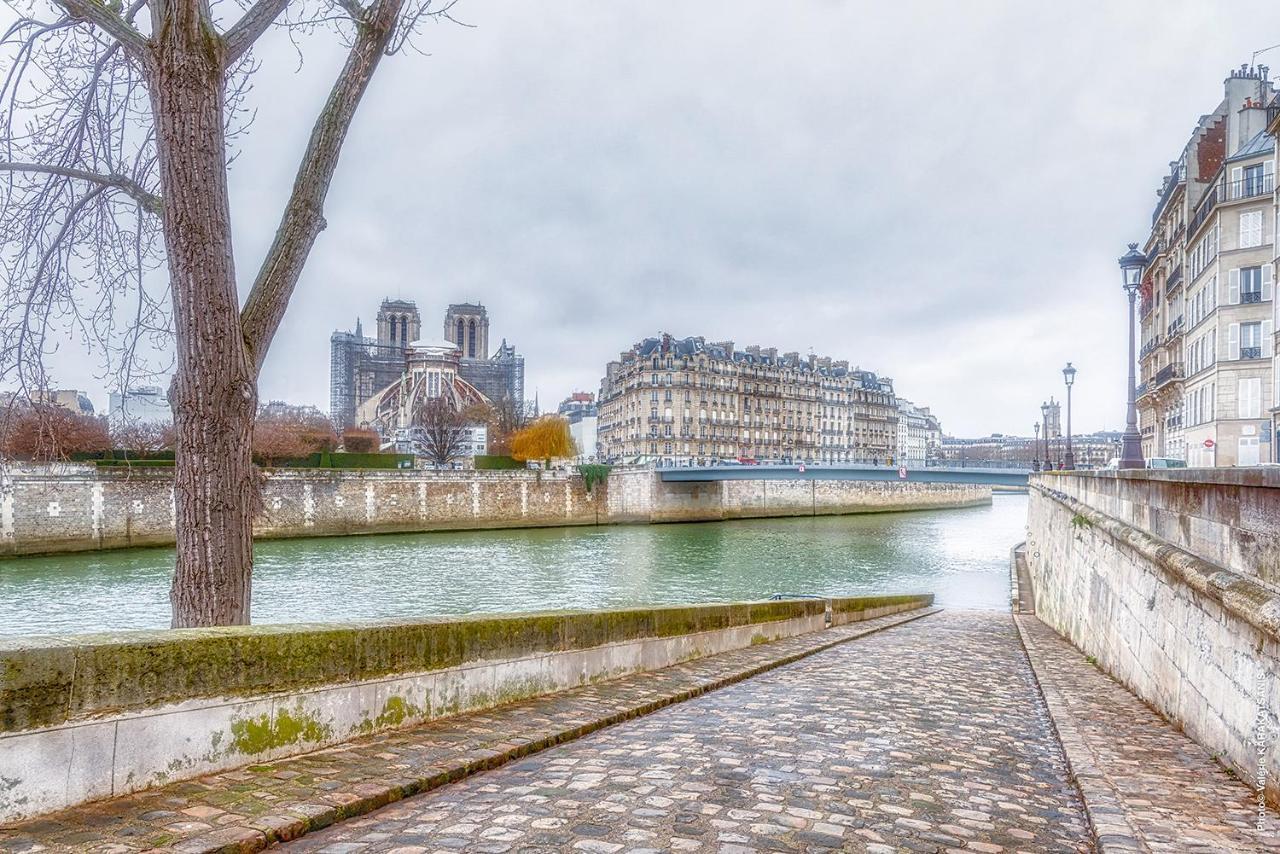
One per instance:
(748, 461)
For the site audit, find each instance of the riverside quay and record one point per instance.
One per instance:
(1114, 688)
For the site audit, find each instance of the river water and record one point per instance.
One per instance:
(960, 555)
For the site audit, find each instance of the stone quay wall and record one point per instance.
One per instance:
(84, 717)
(65, 508)
(1168, 580)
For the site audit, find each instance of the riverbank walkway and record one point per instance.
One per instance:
(926, 731)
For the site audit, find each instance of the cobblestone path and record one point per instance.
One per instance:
(928, 736)
(1149, 786)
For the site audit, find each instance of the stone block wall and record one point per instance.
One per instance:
(90, 716)
(1127, 566)
(64, 508)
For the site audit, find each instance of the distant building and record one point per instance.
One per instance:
(75, 401)
(360, 367)
(1091, 450)
(431, 371)
(280, 409)
(144, 405)
(690, 399)
(579, 409)
(914, 428)
(1051, 415)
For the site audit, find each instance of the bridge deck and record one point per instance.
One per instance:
(851, 471)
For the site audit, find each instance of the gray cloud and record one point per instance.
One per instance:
(937, 192)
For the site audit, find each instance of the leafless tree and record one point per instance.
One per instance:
(444, 429)
(507, 417)
(117, 121)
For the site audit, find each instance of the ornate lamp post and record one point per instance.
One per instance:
(1044, 413)
(1035, 450)
(1069, 377)
(1131, 444)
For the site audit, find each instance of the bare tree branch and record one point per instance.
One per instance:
(150, 202)
(241, 36)
(110, 22)
(303, 218)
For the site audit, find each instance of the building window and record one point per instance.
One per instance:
(1250, 229)
(1249, 398)
(1251, 341)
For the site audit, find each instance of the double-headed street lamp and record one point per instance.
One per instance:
(1131, 443)
(1069, 377)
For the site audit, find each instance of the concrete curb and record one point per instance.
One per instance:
(254, 836)
(1113, 831)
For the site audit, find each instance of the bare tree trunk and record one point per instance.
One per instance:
(214, 394)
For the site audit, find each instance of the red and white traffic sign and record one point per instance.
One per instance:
(1208, 443)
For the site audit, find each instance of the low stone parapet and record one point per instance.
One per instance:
(92, 716)
(1167, 580)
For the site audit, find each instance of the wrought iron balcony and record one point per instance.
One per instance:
(1175, 328)
(1250, 296)
(1230, 191)
(1168, 373)
(1140, 390)
(1250, 352)
(1175, 279)
(1149, 347)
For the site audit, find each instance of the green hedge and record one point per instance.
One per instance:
(492, 461)
(315, 461)
(148, 463)
(119, 455)
(337, 460)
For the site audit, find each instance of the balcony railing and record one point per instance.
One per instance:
(1140, 390)
(1175, 279)
(1250, 296)
(1168, 374)
(1250, 352)
(1149, 347)
(1230, 191)
(1175, 328)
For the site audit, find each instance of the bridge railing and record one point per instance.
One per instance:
(881, 462)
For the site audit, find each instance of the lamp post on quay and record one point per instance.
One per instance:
(1131, 443)
(1044, 413)
(1035, 452)
(1069, 377)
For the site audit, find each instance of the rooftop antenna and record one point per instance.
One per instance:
(1253, 60)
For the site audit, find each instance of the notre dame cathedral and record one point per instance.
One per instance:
(361, 368)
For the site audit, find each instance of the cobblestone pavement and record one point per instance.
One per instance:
(929, 736)
(244, 810)
(1149, 786)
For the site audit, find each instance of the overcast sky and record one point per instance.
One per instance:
(934, 191)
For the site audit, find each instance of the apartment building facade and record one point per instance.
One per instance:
(689, 400)
(1206, 381)
(1273, 129)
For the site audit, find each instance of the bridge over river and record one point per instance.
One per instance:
(989, 473)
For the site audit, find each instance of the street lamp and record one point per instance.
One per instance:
(1069, 377)
(1131, 444)
(1035, 453)
(1044, 412)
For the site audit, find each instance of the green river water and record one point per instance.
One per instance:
(960, 555)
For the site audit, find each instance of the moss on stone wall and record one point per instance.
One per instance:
(130, 671)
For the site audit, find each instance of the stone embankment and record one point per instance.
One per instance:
(86, 717)
(64, 508)
(1168, 580)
